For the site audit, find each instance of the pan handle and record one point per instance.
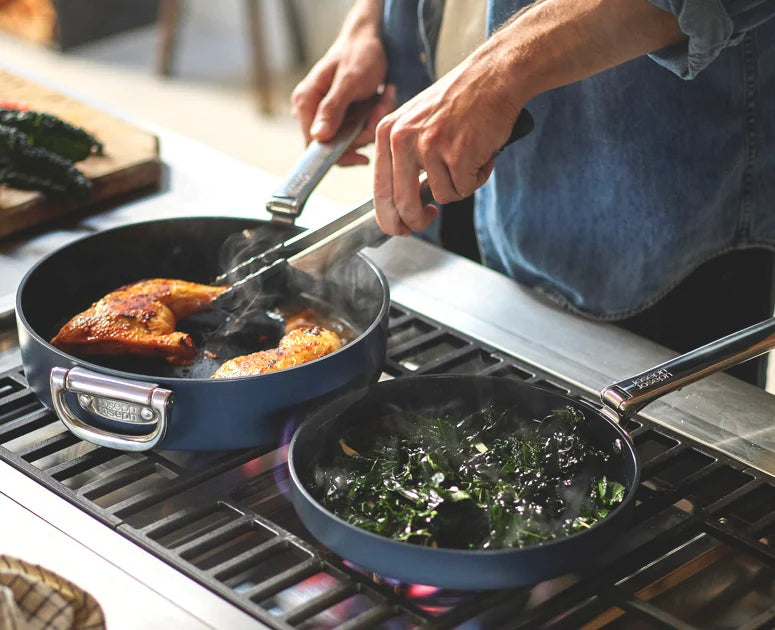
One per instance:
(132, 403)
(288, 200)
(630, 395)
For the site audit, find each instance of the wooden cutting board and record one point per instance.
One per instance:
(131, 161)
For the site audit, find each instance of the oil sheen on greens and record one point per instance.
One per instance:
(486, 480)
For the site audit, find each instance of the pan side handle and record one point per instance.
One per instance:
(288, 200)
(630, 395)
(124, 402)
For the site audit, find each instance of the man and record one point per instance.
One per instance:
(643, 196)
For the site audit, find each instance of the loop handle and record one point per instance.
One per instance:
(122, 401)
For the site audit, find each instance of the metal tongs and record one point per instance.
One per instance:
(315, 251)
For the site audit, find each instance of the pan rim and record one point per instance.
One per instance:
(466, 553)
(72, 359)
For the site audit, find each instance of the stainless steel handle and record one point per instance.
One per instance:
(288, 200)
(352, 231)
(360, 230)
(346, 236)
(630, 395)
(132, 403)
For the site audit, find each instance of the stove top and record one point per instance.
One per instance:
(698, 552)
(213, 534)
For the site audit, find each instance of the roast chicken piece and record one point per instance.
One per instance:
(139, 319)
(300, 345)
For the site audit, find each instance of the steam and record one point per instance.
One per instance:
(346, 299)
(240, 323)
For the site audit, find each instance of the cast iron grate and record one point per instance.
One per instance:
(700, 551)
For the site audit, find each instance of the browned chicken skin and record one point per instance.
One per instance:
(139, 319)
(300, 345)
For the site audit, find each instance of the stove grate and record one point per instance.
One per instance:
(700, 551)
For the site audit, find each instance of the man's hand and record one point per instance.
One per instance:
(353, 69)
(452, 129)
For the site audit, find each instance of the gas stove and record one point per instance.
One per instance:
(211, 539)
(698, 553)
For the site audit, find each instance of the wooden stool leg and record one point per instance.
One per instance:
(261, 78)
(296, 32)
(169, 12)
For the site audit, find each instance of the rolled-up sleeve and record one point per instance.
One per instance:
(710, 26)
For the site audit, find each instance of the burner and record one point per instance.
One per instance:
(433, 600)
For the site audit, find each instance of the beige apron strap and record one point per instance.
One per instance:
(463, 28)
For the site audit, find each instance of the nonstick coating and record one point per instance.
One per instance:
(207, 414)
(455, 568)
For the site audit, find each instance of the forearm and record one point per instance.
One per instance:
(552, 43)
(364, 16)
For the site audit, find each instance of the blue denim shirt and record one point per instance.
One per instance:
(634, 177)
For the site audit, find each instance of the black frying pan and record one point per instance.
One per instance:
(133, 403)
(318, 438)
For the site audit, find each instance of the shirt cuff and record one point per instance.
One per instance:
(709, 28)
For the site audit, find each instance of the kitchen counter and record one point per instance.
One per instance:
(720, 411)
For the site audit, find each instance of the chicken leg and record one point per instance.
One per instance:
(139, 319)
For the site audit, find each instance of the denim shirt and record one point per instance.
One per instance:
(634, 177)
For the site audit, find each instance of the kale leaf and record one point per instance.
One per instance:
(482, 480)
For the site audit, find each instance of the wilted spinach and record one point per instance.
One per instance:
(485, 480)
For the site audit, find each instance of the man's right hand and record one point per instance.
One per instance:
(353, 69)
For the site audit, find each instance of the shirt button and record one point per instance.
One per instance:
(423, 57)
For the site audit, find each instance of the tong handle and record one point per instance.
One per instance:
(358, 228)
(522, 126)
(353, 231)
(288, 200)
